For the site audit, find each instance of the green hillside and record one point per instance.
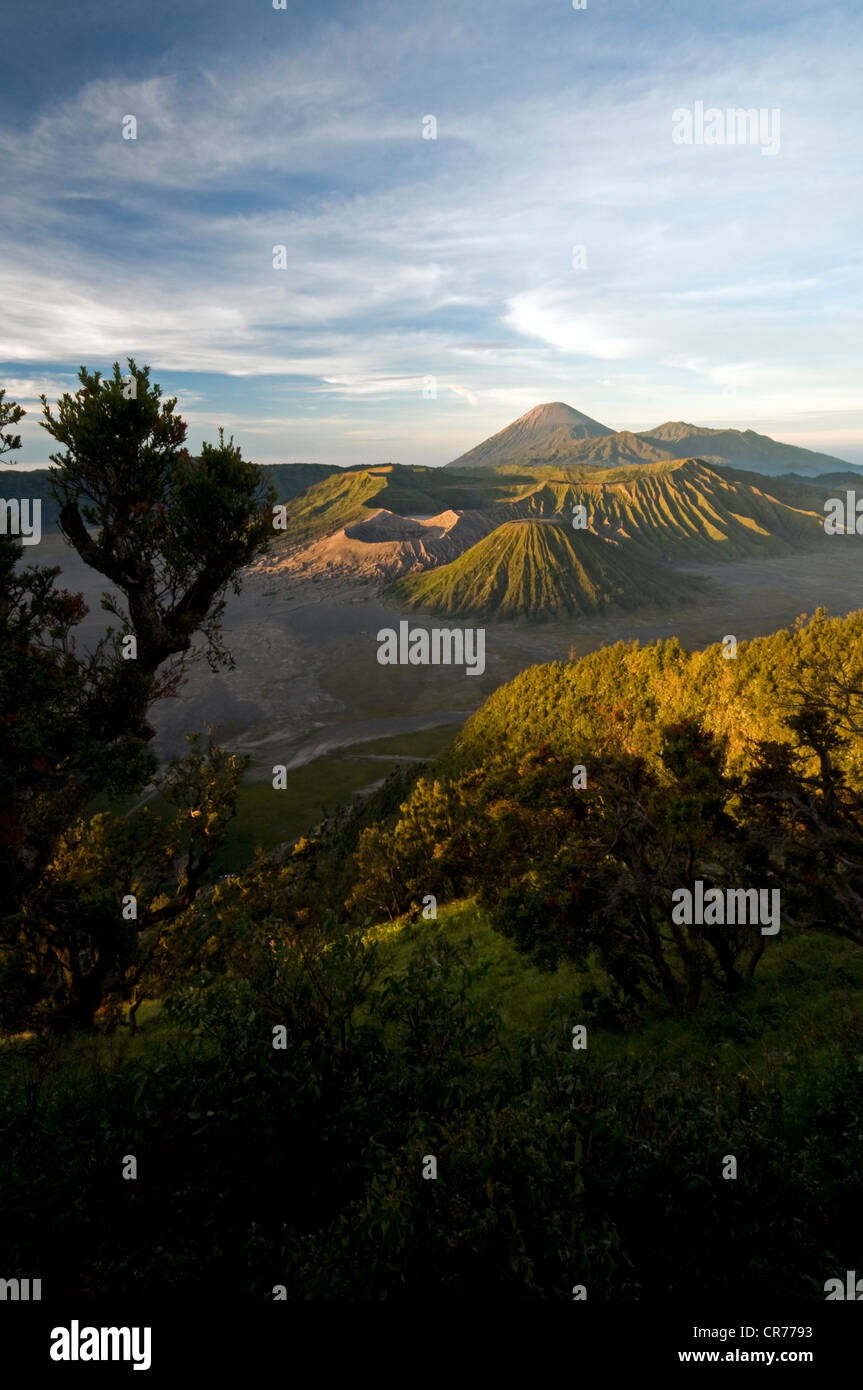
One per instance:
(352, 494)
(739, 700)
(538, 569)
(674, 509)
(431, 1019)
(559, 1159)
(685, 510)
(536, 564)
(333, 502)
(292, 479)
(808, 493)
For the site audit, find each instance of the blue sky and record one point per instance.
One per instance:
(430, 294)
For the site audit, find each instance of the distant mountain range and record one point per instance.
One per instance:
(555, 434)
(498, 543)
(491, 535)
(289, 480)
(641, 523)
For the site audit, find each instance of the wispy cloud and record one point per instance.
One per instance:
(715, 281)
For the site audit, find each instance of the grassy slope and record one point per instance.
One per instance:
(292, 479)
(686, 510)
(336, 501)
(269, 818)
(773, 1048)
(796, 490)
(802, 1012)
(668, 494)
(781, 1026)
(537, 569)
(332, 503)
(674, 511)
(656, 1109)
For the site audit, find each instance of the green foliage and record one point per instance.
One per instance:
(539, 570)
(755, 780)
(10, 414)
(593, 874)
(171, 532)
(638, 690)
(76, 954)
(302, 1167)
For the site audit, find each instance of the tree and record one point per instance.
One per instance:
(812, 817)
(171, 532)
(593, 872)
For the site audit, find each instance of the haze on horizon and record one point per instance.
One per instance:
(430, 294)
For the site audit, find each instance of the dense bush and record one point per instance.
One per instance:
(302, 1167)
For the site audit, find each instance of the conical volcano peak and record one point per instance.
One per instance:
(554, 434)
(554, 415)
(544, 434)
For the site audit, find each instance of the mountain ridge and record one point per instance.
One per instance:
(540, 568)
(639, 522)
(552, 418)
(555, 433)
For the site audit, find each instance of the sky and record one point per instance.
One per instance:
(433, 289)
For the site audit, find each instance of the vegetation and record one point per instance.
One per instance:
(300, 1169)
(692, 772)
(171, 532)
(353, 494)
(675, 509)
(530, 562)
(285, 1047)
(540, 570)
